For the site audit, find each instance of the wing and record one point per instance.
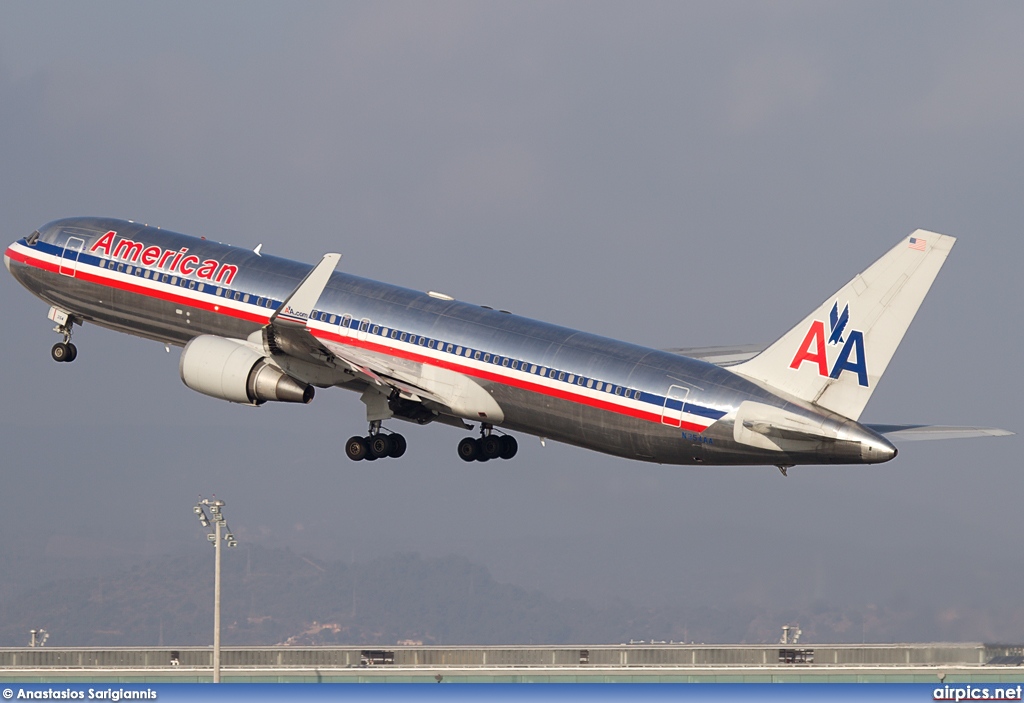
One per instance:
(291, 333)
(720, 356)
(916, 433)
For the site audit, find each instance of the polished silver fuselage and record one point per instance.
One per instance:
(658, 406)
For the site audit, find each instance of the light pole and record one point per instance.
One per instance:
(216, 516)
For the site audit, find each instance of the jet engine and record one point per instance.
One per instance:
(230, 370)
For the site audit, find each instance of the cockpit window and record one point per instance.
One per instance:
(32, 238)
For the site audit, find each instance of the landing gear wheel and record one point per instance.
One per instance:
(379, 446)
(490, 447)
(396, 445)
(469, 449)
(509, 447)
(72, 352)
(60, 352)
(356, 449)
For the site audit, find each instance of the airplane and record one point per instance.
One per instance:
(257, 328)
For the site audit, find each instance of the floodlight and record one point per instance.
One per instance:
(197, 510)
(211, 537)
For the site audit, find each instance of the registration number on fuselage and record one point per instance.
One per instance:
(698, 439)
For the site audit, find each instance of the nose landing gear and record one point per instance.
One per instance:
(489, 446)
(63, 351)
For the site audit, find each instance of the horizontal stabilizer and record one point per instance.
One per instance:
(776, 429)
(720, 356)
(917, 433)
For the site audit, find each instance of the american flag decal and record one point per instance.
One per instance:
(917, 244)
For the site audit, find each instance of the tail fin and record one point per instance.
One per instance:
(837, 354)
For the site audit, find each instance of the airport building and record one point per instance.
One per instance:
(633, 663)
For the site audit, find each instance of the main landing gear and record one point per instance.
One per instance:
(376, 445)
(489, 446)
(64, 351)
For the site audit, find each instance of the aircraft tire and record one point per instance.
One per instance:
(60, 352)
(379, 446)
(469, 450)
(509, 447)
(490, 447)
(356, 449)
(72, 352)
(396, 445)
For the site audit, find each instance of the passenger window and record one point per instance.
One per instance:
(448, 348)
(129, 270)
(468, 352)
(192, 285)
(533, 368)
(394, 334)
(103, 264)
(572, 377)
(618, 390)
(334, 319)
(636, 395)
(404, 336)
(579, 380)
(364, 325)
(245, 298)
(165, 278)
(346, 321)
(561, 375)
(590, 383)
(476, 355)
(599, 386)
(202, 286)
(423, 341)
(430, 343)
(458, 351)
(120, 268)
(376, 329)
(504, 362)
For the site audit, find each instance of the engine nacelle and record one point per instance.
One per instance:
(230, 370)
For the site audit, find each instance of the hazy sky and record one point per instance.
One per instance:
(675, 174)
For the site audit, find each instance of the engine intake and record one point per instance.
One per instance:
(230, 370)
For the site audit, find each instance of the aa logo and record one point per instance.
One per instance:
(815, 345)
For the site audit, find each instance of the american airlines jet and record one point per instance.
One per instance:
(256, 328)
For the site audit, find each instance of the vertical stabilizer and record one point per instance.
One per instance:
(837, 354)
